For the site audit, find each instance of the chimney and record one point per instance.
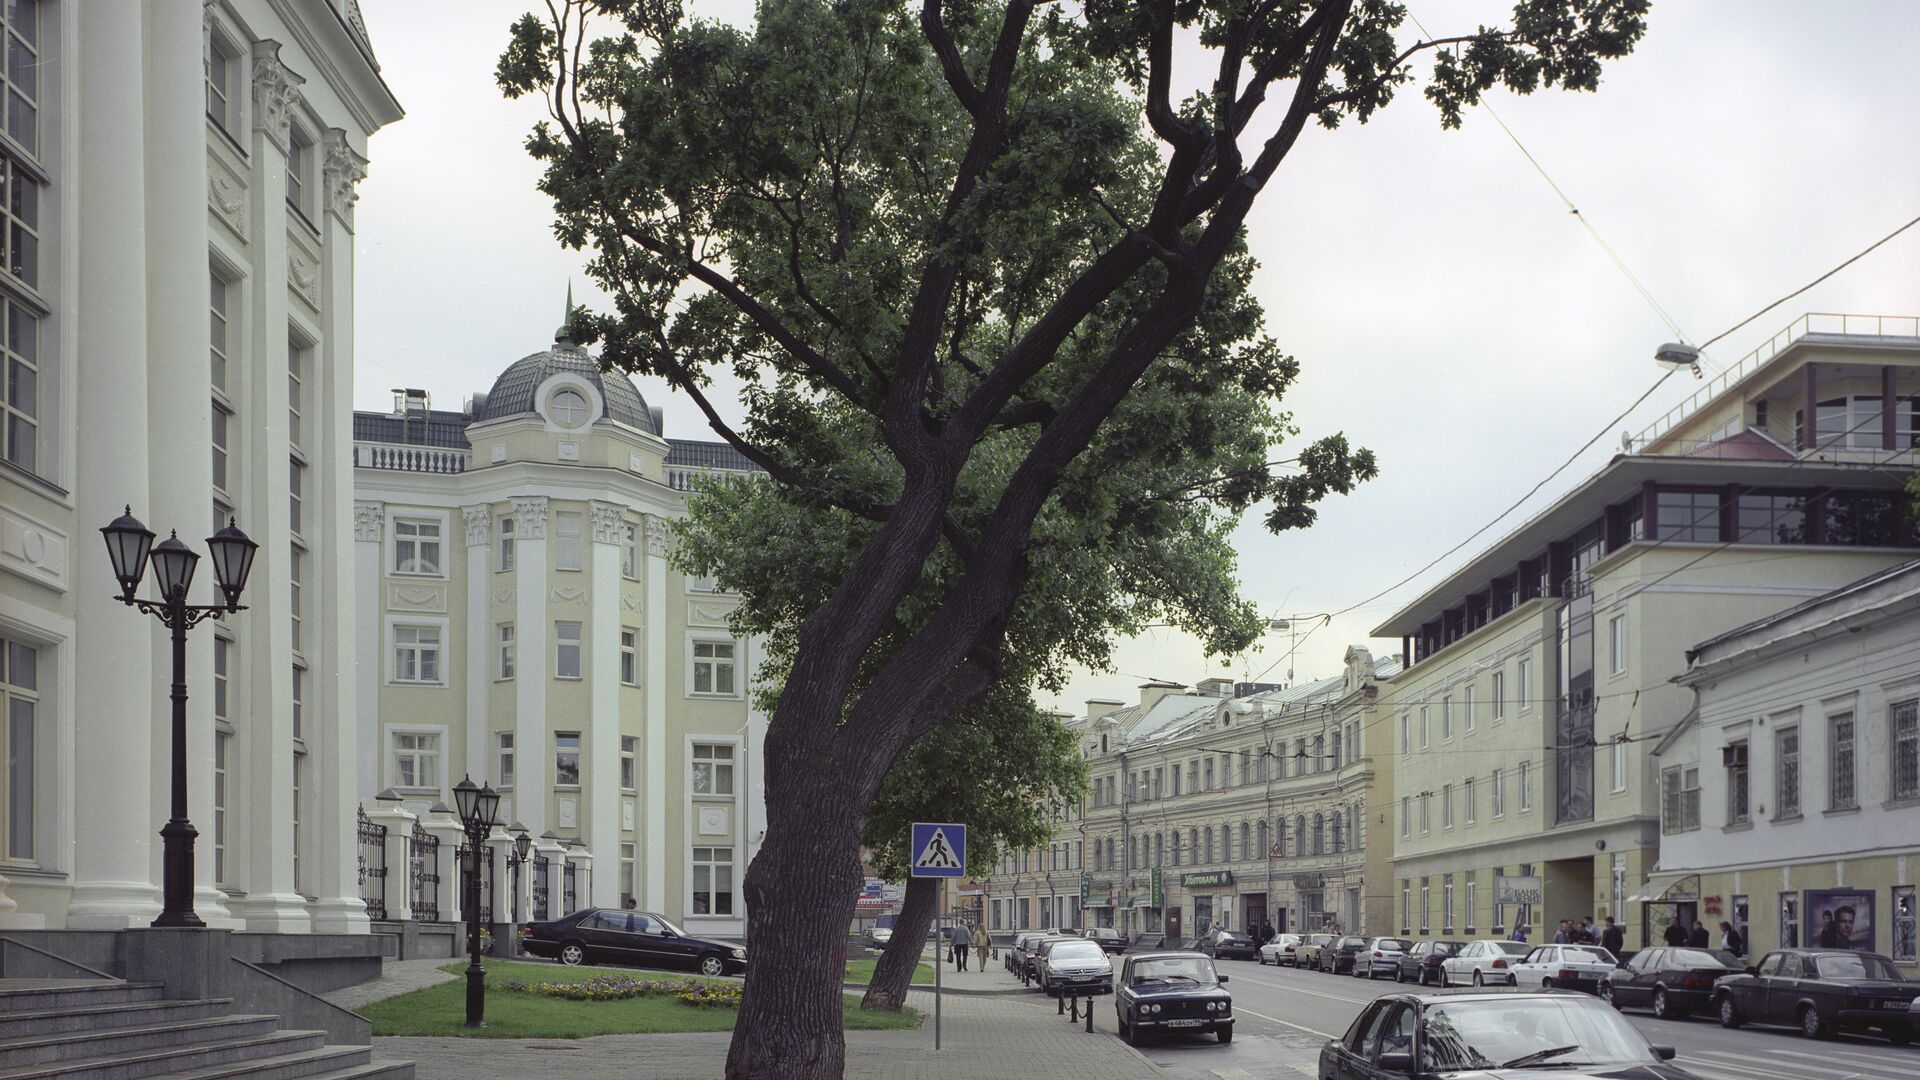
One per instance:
(1151, 693)
(1099, 706)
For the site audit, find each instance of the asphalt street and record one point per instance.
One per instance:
(1284, 1017)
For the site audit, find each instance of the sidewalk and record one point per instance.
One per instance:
(396, 977)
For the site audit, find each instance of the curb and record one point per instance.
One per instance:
(944, 990)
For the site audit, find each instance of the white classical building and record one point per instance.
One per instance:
(177, 292)
(519, 623)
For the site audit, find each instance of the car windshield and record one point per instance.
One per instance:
(1515, 948)
(1075, 950)
(1353, 943)
(1320, 939)
(1699, 958)
(1194, 969)
(1856, 967)
(1488, 1034)
(1448, 948)
(662, 924)
(1232, 939)
(1587, 954)
(1401, 944)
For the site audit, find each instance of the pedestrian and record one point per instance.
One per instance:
(1564, 935)
(1520, 932)
(962, 937)
(1588, 936)
(1676, 934)
(1699, 938)
(1730, 940)
(1613, 938)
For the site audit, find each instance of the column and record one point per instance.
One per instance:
(498, 846)
(369, 525)
(602, 830)
(399, 826)
(274, 901)
(114, 871)
(531, 745)
(338, 685)
(480, 643)
(653, 846)
(584, 880)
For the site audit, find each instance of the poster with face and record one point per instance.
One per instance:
(1839, 919)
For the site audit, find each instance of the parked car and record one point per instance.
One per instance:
(1567, 967)
(1029, 963)
(1431, 1033)
(1671, 982)
(1075, 965)
(1487, 962)
(879, 936)
(1283, 949)
(635, 938)
(1307, 955)
(1171, 991)
(1380, 956)
(1227, 945)
(1110, 940)
(1422, 962)
(1016, 950)
(1820, 991)
(1338, 958)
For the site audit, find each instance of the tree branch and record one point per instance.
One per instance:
(950, 63)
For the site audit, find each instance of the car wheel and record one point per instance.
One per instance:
(712, 966)
(572, 954)
(1226, 1034)
(1478, 982)
(1662, 1010)
(1400, 975)
(1606, 994)
(1546, 984)
(1729, 1012)
(1811, 1025)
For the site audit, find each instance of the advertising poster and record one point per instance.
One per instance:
(1839, 919)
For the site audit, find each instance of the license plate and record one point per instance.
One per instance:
(1185, 1023)
(1893, 1004)
(1083, 978)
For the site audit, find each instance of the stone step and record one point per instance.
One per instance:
(117, 1014)
(372, 1070)
(320, 1062)
(136, 1064)
(71, 1045)
(34, 995)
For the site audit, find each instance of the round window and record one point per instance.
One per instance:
(568, 408)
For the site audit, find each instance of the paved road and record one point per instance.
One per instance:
(1285, 1016)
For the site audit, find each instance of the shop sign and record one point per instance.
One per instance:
(1514, 889)
(1159, 891)
(1207, 880)
(1309, 882)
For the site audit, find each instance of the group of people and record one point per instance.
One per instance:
(1609, 937)
(962, 937)
(1263, 933)
(1679, 935)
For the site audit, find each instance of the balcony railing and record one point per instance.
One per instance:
(402, 458)
(1818, 322)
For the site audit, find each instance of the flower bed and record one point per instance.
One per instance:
(621, 987)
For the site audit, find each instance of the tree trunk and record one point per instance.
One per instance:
(894, 973)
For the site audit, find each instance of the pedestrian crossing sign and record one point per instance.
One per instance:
(939, 850)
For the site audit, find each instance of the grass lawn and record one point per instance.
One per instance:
(861, 971)
(442, 1009)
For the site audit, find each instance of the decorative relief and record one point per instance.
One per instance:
(569, 596)
(708, 613)
(713, 821)
(227, 197)
(275, 89)
(33, 550)
(659, 538)
(369, 518)
(530, 518)
(631, 602)
(609, 523)
(417, 597)
(626, 816)
(303, 273)
(503, 596)
(341, 170)
(567, 450)
(479, 524)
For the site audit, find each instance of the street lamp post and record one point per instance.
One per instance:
(517, 858)
(479, 808)
(130, 547)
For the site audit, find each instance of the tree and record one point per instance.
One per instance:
(956, 239)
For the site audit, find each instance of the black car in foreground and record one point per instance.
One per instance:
(1494, 1036)
(633, 938)
(1672, 982)
(1820, 991)
(1172, 991)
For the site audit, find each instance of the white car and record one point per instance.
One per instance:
(1487, 962)
(1380, 957)
(880, 935)
(1572, 967)
(1283, 949)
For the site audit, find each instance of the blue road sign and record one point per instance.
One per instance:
(939, 850)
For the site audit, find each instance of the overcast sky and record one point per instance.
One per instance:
(1447, 311)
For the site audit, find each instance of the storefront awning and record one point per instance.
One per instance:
(1668, 888)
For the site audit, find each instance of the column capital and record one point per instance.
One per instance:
(659, 536)
(530, 518)
(609, 522)
(479, 524)
(275, 88)
(369, 520)
(342, 169)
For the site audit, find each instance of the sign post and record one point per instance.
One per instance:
(939, 850)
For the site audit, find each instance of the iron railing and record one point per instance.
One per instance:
(373, 866)
(540, 889)
(423, 874)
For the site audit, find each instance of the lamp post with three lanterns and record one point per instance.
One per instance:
(479, 809)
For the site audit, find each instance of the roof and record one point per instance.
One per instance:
(439, 428)
(707, 455)
(513, 392)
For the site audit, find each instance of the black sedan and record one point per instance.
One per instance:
(1421, 963)
(1492, 1036)
(1225, 945)
(1820, 991)
(1171, 992)
(634, 938)
(1671, 982)
(1338, 957)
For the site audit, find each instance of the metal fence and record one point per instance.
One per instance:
(571, 893)
(540, 889)
(373, 866)
(486, 884)
(423, 874)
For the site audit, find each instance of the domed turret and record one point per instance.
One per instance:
(515, 392)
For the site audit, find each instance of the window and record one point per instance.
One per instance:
(297, 356)
(1524, 683)
(1620, 762)
(299, 171)
(20, 697)
(503, 754)
(416, 654)
(1499, 695)
(713, 667)
(1446, 806)
(503, 557)
(416, 546)
(1772, 519)
(566, 650)
(20, 235)
(1406, 907)
(1688, 515)
(567, 408)
(712, 881)
(299, 699)
(504, 635)
(1789, 921)
(222, 421)
(1526, 786)
(1426, 906)
(1207, 769)
(1903, 720)
(1786, 796)
(1466, 799)
(627, 852)
(222, 689)
(712, 769)
(294, 568)
(1617, 645)
(629, 759)
(1446, 903)
(1406, 733)
(221, 748)
(416, 759)
(1840, 795)
(1497, 793)
(566, 540)
(1904, 944)
(1426, 812)
(1426, 728)
(296, 482)
(630, 656)
(223, 87)
(299, 771)
(630, 552)
(566, 759)
(1466, 706)
(1680, 808)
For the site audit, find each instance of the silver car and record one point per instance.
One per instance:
(1078, 967)
(1380, 956)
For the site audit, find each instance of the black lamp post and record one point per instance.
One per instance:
(522, 851)
(479, 807)
(130, 546)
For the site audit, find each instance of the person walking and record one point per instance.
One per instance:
(1613, 938)
(1564, 935)
(962, 937)
(1588, 935)
(1730, 940)
(1676, 934)
(1520, 932)
(1699, 938)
